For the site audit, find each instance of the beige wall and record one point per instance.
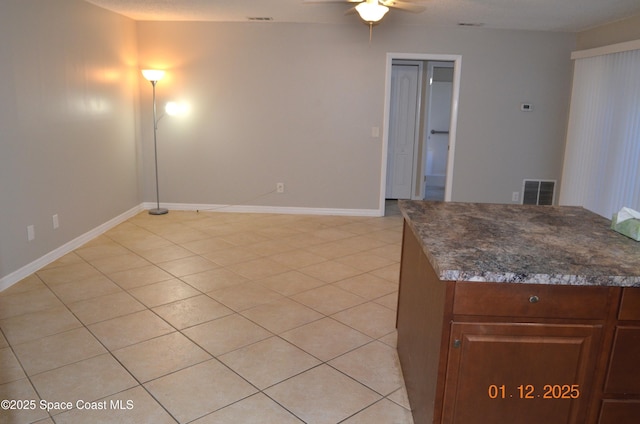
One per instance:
(296, 103)
(68, 84)
(613, 33)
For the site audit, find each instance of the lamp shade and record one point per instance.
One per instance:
(371, 10)
(153, 74)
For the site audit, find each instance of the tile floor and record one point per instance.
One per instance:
(211, 317)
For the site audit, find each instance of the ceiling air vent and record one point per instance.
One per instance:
(538, 192)
(260, 18)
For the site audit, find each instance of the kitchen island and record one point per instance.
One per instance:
(518, 314)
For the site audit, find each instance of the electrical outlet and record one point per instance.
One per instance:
(56, 221)
(280, 187)
(515, 196)
(31, 232)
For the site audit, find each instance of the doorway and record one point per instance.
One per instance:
(421, 106)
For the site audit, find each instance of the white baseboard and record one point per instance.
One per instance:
(9, 280)
(266, 209)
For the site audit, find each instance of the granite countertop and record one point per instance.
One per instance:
(522, 244)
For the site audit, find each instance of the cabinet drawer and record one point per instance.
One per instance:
(530, 300)
(630, 306)
(624, 369)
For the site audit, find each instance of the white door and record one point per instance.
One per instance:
(403, 130)
(436, 153)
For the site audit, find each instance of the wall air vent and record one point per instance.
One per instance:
(538, 192)
(260, 18)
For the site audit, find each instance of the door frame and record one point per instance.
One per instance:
(457, 59)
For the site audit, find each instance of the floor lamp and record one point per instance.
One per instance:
(154, 76)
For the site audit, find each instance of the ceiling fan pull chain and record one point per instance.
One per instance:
(370, 31)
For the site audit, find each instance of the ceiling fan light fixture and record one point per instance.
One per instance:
(371, 11)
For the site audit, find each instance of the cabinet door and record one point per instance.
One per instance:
(519, 373)
(624, 369)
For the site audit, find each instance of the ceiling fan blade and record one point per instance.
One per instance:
(403, 5)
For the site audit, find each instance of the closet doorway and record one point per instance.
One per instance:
(421, 105)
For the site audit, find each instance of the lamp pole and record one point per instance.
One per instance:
(154, 77)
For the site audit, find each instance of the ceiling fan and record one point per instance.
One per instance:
(372, 11)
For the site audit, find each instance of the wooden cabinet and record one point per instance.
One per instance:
(621, 393)
(519, 373)
(494, 353)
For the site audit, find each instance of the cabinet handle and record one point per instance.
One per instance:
(457, 343)
(534, 299)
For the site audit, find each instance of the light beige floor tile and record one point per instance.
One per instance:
(21, 390)
(285, 360)
(141, 240)
(112, 264)
(369, 318)
(271, 247)
(383, 411)
(207, 245)
(244, 238)
(40, 299)
(322, 395)
(199, 390)
(258, 268)
(160, 356)
(328, 299)
(281, 315)
(104, 249)
(68, 259)
(10, 369)
(142, 276)
(226, 334)
(389, 251)
(157, 294)
(333, 249)
(67, 273)
(3, 341)
(24, 328)
(130, 329)
(87, 380)
(214, 279)
(88, 288)
(387, 236)
(365, 261)
(290, 283)
(390, 272)
(244, 296)
(367, 286)
(232, 256)
(165, 253)
(61, 349)
(193, 311)
(132, 406)
(187, 266)
(256, 409)
(390, 339)
(400, 397)
(330, 271)
(389, 301)
(375, 365)
(297, 259)
(32, 282)
(185, 235)
(106, 307)
(325, 339)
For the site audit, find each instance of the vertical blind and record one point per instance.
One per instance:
(601, 169)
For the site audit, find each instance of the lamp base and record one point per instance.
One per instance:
(158, 211)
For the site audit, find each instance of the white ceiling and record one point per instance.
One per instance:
(545, 15)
